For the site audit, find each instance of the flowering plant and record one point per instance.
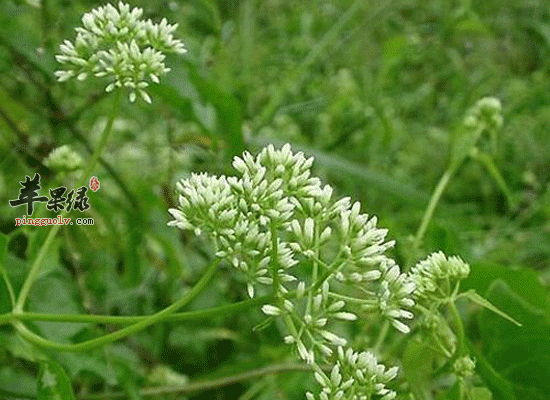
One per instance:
(316, 262)
(117, 44)
(273, 217)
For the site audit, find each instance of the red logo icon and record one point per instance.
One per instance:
(94, 183)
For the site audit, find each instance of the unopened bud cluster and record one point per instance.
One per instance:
(117, 44)
(486, 114)
(355, 376)
(275, 216)
(63, 158)
(277, 203)
(436, 277)
(464, 367)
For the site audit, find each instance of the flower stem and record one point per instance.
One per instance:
(381, 337)
(460, 335)
(461, 389)
(35, 268)
(8, 285)
(111, 337)
(227, 309)
(490, 165)
(434, 200)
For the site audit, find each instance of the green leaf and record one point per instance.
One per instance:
(525, 282)
(3, 248)
(19, 348)
(393, 49)
(5, 297)
(182, 105)
(128, 380)
(472, 393)
(229, 113)
(79, 363)
(544, 31)
(481, 393)
(54, 294)
(476, 298)
(51, 260)
(193, 97)
(53, 383)
(16, 271)
(205, 17)
(500, 387)
(24, 42)
(519, 354)
(15, 383)
(472, 26)
(133, 259)
(417, 366)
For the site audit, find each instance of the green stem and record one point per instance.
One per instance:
(489, 164)
(350, 299)
(460, 335)
(35, 268)
(381, 336)
(111, 337)
(428, 214)
(275, 259)
(8, 285)
(500, 386)
(129, 320)
(104, 137)
(461, 389)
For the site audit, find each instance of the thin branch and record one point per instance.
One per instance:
(128, 320)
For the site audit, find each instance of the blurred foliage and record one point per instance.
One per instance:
(375, 90)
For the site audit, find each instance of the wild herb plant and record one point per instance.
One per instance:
(118, 45)
(274, 217)
(312, 261)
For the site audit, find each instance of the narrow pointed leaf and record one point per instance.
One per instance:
(476, 298)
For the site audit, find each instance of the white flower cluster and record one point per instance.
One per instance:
(355, 376)
(395, 296)
(274, 216)
(276, 195)
(485, 114)
(63, 158)
(313, 335)
(117, 44)
(241, 213)
(436, 277)
(464, 367)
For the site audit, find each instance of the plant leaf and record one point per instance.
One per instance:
(417, 366)
(53, 383)
(500, 387)
(476, 298)
(520, 355)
